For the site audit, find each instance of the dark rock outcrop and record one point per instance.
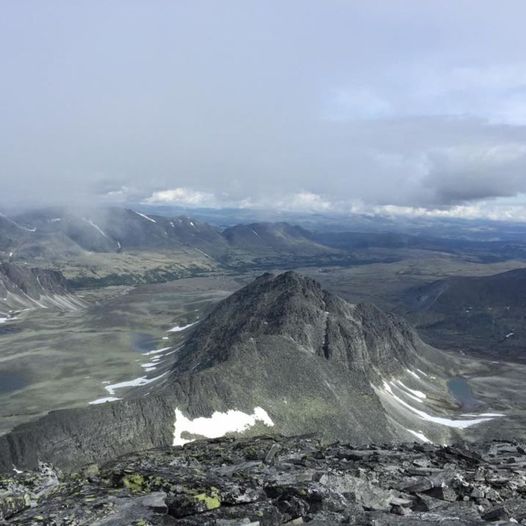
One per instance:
(275, 480)
(73, 437)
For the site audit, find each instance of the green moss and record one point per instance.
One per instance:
(134, 482)
(211, 500)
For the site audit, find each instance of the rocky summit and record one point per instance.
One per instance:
(275, 480)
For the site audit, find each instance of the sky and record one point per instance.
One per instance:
(401, 106)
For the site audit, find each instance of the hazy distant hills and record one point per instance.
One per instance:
(281, 355)
(484, 249)
(119, 246)
(486, 314)
(507, 289)
(119, 229)
(273, 237)
(39, 233)
(115, 229)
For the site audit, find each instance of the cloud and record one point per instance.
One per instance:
(188, 197)
(461, 174)
(183, 197)
(118, 195)
(494, 210)
(494, 93)
(305, 201)
(497, 209)
(356, 103)
(248, 105)
(296, 202)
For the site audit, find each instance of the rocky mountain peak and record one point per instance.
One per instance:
(291, 309)
(281, 355)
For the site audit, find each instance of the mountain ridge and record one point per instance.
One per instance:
(115, 229)
(280, 355)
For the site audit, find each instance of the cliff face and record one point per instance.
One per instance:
(23, 287)
(74, 437)
(281, 356)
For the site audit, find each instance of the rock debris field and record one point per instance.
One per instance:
(276, 480)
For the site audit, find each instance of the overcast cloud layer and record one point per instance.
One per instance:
(410, 106)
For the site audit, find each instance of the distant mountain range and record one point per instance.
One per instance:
(46, 232)
(281, 355)
(120, 229)
(484, 249)
(119, 246)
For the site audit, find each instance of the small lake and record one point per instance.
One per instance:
(142, 342)
(11, 381)
(8, 329)
(461, 391)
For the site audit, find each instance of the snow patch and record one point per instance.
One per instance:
(418, 394)
(217, 425)
(449, 422)
(484, 414)
(97, 228)
(412, 373)
(104, 400)
(148, 365)
(22, 227)
(157, 351)
(136, 382)
(419, 435)
(179, 328)
(146, 217)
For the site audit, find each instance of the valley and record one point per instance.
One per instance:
(54, 359)
(58, 358)
(139, 333)
(107, 350)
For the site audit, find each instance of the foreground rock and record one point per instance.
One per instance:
(276, 480)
